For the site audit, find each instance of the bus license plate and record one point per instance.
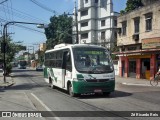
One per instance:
(97, 90)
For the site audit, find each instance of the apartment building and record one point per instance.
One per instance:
(138, 40)
(96, 22)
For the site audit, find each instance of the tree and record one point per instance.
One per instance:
(12, 49)
(131, 5)
(59, 30)
(115, 48)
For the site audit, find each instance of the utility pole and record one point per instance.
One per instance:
(28, 55)
(76, 21)
(4, 40)
(76, 16)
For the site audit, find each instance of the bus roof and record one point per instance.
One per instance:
(64, 46)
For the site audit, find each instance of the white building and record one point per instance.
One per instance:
(96, 22)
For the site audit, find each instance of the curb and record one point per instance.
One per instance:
(138, 84)
(135, 84)
(7, 84)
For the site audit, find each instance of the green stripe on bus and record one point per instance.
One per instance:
(88, 87)
(80, 76)
(45, 73)
(52, 75)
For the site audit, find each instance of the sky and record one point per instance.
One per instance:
(28, 11)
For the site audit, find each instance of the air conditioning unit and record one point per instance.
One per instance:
(119, 30)
(135, 37)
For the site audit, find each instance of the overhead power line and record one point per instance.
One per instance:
(24, 15)
(3, 1)
(24, 27)
(42, 6)
(28, 28)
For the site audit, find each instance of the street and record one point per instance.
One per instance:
(30, 83)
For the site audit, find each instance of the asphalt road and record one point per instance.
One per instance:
(125, 98)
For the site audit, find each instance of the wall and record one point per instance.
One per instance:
(129, 17)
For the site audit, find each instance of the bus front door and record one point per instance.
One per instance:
(66, 67)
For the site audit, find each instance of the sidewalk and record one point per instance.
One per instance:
(133, 81)
(9, 81)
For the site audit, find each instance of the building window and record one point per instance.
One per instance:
(115, 23)
(131, 48)
(86, 1)
(136, 25)
(115, 35)
(132, 66)
(124, 27)
(84, 24)
(84, 13)
(84, 36)
(96, 1)
(103, 35)
(102, 22)
(148, 18)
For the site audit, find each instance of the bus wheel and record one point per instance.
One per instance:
(70, 91)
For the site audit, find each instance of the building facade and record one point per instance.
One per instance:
(96, 22)
(138, 39)
(42, 46)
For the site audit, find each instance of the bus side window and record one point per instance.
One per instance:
(67, 61)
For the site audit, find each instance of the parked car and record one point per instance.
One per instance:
(39, 68)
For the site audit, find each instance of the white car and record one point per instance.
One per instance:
(39, 68)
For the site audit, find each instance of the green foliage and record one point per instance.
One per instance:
(41, 57)
(12, 49)
(59, 30)
(131, 5)
(114, 49)
(8, 68)
(122, 12)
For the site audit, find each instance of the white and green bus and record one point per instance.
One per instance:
(80, 69)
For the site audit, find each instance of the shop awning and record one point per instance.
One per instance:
(136, 52)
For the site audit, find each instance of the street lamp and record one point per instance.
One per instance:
(4, 41)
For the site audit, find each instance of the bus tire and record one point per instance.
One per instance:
(70, 90)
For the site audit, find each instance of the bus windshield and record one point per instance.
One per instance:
(22, 63)
(92, 60)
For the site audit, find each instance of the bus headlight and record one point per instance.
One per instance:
(80, 79)
(112, 78)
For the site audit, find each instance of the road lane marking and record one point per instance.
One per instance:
(45, 106)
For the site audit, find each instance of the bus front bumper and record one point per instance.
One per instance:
(82, 87)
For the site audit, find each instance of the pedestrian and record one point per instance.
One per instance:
(157, 76)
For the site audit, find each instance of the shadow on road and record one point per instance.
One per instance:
(23, 70)
(114, 94)
(25, 86)
(23, 75)
(1, 90)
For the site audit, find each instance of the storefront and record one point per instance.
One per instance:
(140, 63)
(132, 68)
(139, 66)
